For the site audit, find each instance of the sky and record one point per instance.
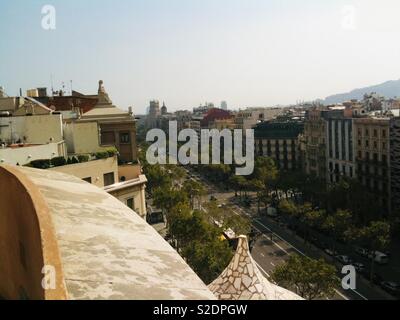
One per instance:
(188, 52)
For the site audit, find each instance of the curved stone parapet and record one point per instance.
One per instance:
(99, 247)
(28, 244)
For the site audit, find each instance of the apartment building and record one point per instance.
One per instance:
(395, 164)
(281, 142)
(69, 127)
(250, 117)
(315, 143)
(372, 151)
(339, 144)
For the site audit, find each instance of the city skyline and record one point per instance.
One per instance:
(249, 53)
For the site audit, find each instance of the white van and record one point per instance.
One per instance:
(379, 257)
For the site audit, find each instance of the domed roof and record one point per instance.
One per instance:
(242, 280)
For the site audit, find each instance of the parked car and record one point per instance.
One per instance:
(282, 224)
(388, 253)
(376, 279)
(360, 267)
(314, 240)
(330, 252)
(344, 259)
(379, 257)
(362, 251)
(391, 287)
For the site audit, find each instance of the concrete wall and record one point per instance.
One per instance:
(24, 155)
(27, 240)
(32, 129)
(94, 169)
(8, 104)
(129, 171)
(131, 189)
(82, 137)
(137, 194)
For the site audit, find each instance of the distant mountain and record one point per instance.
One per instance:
(388, 89)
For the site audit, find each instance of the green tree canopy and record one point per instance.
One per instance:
(308, 277)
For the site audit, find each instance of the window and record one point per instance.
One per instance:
(384, 133)
(89, 179)
(366, 132)
(366, 143)
(375, 133)
(130, 203)
(107, 138)
(108, 178)
(124, 137)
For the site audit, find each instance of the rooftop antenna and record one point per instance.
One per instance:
(52, 85)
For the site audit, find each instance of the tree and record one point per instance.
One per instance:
(340, 225)
(176, 173)
(195, 190)
(310, 278)
(228, 219)
(312, 219)
(265, 171)
(208, 259)
(157, 177)
(376, 237)
(241, 184)
(179, 226)
(165, 199)
(200, 243)
(256, 184)
(287, 207)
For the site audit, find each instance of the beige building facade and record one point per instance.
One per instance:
(35, 129)
(315, 144)
(372, 150)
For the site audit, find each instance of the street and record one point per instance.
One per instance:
(277, 243)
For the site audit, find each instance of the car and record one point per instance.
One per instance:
(330, 252)
(388, 253)
(362, 251)
(360, 267)
(391, 287)
(344, 259)
(379, 257)
(282, 224)
(314, 240)
(376, 279)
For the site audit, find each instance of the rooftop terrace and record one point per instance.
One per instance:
(100, 248)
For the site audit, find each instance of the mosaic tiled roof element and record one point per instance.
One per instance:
(242, 280)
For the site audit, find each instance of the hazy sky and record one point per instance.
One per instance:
(186, 52)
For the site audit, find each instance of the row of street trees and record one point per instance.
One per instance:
(341, 225)
(195, 228)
